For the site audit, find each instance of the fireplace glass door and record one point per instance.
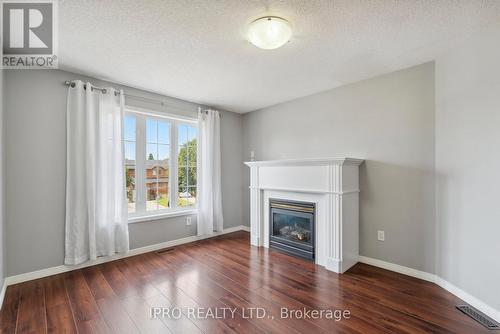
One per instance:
(292, 227)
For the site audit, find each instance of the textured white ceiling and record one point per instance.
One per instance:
(196, 49)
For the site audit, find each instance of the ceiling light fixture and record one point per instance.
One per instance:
(269, 32)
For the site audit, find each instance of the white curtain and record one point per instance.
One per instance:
(96, 207)
(209, 173)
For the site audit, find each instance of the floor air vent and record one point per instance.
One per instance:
(479, 316)
(165, 250)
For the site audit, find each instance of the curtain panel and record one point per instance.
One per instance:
(96, 206)
(210, 218)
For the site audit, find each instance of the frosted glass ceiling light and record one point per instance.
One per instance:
(269, 32)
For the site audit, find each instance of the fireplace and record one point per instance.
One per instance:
(332, 184)
(291, 227)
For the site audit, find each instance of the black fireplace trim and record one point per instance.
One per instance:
(287, 246)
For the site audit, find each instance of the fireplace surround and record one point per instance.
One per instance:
(331, 184)
(291, 227)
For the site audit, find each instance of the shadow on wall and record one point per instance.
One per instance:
(400, 201)
(453, 214)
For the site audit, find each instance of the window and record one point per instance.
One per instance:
(160, 163)
(129, 138)
(186, 165)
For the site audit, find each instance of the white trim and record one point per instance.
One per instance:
(141, 116)
(2, 293)
(331, 183)
(174, 168)
(298, 190)
(245, 228)
(334, 265)
(399, 269)
(169, 214)
(155, 113)
(468, 298)
(64, 268)
(308, 162)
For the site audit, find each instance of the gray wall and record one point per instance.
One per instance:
(35, 152)
(468, 165)
(2, 161)
(389, 121)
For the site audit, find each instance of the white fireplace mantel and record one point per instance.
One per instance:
(332, 184)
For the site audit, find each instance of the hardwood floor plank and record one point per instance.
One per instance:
(139, 311)
(95, 326)
(83, 305)
(268, 322)
(226, 272)
(55, 293)
(299, 280)
(177, 298)
(111, 309)
(180, 325)
(299, 284)
(295, 285)
(136, 277)
(58, 309)
(10, 308)
(117, 281)
(241, 297)
(246, 298)
(97, 283)
(60, 319)
(31, 317)
(209, 294)
(116, 317)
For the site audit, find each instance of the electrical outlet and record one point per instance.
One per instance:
(381, 235)
(252, 155)
(188, 221)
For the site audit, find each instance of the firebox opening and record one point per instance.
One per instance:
(292, 227)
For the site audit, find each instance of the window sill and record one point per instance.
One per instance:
(170, 214)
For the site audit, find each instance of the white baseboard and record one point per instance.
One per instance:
(136, 251)
(2, 293)
(334, 265)
(399, 269)
(468, 298)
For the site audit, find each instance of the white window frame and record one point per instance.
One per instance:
(140, 213)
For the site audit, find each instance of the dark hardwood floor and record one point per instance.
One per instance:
(226, 272)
